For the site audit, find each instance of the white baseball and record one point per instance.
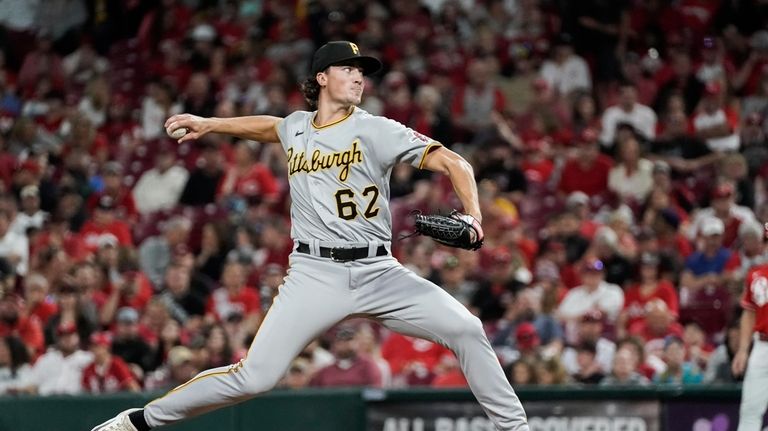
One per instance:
(178, 133)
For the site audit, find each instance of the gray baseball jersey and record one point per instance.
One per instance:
(339, 174)
(339, 177)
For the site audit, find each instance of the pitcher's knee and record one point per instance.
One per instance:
(466, 325)
(257, 380)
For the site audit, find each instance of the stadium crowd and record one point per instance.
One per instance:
(619, 147)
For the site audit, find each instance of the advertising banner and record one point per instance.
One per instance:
(704, 416)
(599, 415)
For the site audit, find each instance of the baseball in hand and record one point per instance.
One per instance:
(178, 133)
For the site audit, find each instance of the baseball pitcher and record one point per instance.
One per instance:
(339, 162)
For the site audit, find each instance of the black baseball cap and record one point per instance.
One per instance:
(340, 51)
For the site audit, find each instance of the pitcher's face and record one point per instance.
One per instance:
(344, 83)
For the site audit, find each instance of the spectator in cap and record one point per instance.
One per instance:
(647, 287)
(128, 344)
(588, 171)
(179, 367)
(15, 368)
(348, 368)
(527, 342)
(578, 203)
(60, 369)
(107, 373)
(105, 221)
(14, 247)
(666, 227)
(203, 183)
(114, 186)
(629, 111)
(566, 71)
(590, 329)
(14, 320)
(30, 216)
(631, 179)
(160, 187)
(156, 252)
(723, 207)
(703, 292)
(593, 293)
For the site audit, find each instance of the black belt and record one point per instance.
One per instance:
(342, 254)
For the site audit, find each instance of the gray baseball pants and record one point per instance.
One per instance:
(754, 392)
(318, 293)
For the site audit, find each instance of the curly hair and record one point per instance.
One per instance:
(311, 91)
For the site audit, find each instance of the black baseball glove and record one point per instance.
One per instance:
(454, 230)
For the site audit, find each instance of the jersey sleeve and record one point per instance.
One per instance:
(747, 301)
(282, 126)
(400, 144)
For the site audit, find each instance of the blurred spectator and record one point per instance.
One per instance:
(589, 371)
(15, 321)
(37, 301)
(204, 181)
(521, 372)
(156, 107)
(617, 269)
(724, 208)
(60, 369)
(593, 293)
(657, 323)
(105, 225)
(160, 187)
(624, 371)
(41, 65)
(678, 371)
(628, 111)
(112, 176)
(348, 369)
(271, 281)
(213, 252)
(590, 330)
(588, 171)
(218, 349)
(95, 101)
(453, 279)
(473, 104)
(703, 295)
(73, 308)
(716, 124)
(246, 178)
(631, 178)
(493, 295)
(182, 302)
(566, 71)
(30, 216)
(719, 368)
(527, 342)
(156, 252)
(429, 118)
(412, 360)
(733, 168)
(750, 251)
(649, 286)
(177, 370)
(550, 372)
(128, 344)
(680, 81)
(298, 375)
(369, 346)
(14, 247)
(522, 314)
(234, 297)
(107, 373)
(15, 366)
(697, 347)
